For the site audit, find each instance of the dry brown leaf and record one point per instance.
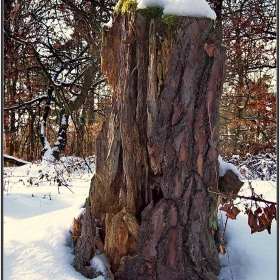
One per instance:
(261, 222)
(235, 211)
(252, 220)
(77, 229)
(226, 207)
(264, 223)
(258, 211)
(270, 212)
(222, 249)
(269, 216)
(232, 213)
(272, 208)
(231, 210)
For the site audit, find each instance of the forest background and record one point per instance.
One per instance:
(56, 98)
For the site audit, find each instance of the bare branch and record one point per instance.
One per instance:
(234, 196)
(25, 104)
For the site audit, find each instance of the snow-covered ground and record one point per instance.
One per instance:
(37, 217)
(250, 256)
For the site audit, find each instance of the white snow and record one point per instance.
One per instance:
(190, 8)
(99, 263)
(36, 223)
(63, 120)
(109, 24)
(225, 166)
(72, 99)
(251, 256)
(48, 155)
(142, 4)
(55, 149)
(37, 219)
(197, 8)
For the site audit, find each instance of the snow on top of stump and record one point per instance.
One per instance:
(191, 8)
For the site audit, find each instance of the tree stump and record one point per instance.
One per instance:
(157, 153)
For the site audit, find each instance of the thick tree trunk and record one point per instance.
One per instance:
(158, 151)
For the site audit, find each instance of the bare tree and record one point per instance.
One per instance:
(52, 45)
(248, 106)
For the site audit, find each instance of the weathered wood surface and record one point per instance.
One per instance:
(85, 247)
(157, 152)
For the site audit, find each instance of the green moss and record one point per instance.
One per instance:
(130, 6)
(126, 6)
(151, 12)
(171, 20)
(213, 222)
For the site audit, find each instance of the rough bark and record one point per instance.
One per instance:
(157, 152)
(85, 246)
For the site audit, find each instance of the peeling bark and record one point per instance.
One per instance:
(157, 152)
(85, 246)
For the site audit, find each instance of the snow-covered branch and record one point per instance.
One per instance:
(27, 103)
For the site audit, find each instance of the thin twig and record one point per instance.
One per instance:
(234, 196)
(231, 273)
(223, 236)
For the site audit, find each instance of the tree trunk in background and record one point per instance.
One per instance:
(158, 151)
(30, 150)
